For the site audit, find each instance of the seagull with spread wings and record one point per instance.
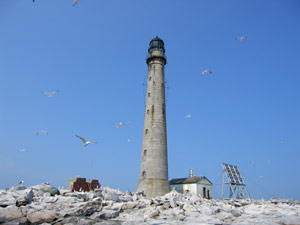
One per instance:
(206, 71)
(188, 116)
(23, 150)
(75, 2)
(42, 132)
(86, 142)
(241, 38)
(50, 94)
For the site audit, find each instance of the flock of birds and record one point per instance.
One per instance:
(74, 3)
(85, 143)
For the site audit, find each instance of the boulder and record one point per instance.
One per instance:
(11, 213)
(41, 216)
(40, 189)
(205, 210)
(111, 196)
(6, 199)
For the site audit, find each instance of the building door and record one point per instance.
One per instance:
(208, 194)
(204, 192)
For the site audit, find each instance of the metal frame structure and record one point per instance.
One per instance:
(235, 182)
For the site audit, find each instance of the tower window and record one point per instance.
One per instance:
(145, 152)
(153, 83)
(144, 173)
(150, 78)
(146, 131)
(162, 84)
(149, 94)
(163, 109)
(148, 111)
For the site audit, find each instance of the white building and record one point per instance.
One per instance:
(197, 185)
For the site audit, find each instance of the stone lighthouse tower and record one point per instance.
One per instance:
(153, 179)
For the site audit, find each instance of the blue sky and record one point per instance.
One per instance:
(94, 55)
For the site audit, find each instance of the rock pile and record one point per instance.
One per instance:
(44, 204)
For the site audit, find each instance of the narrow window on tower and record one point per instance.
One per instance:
(144, 173)
(163, 109)
(150, 78)
(146, 131)
(153, 83)
(148, 111)
(145, 152)
(149, 94)
(162, 84)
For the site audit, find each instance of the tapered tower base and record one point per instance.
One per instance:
(154, 187)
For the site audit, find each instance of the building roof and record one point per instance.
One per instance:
(188, 180)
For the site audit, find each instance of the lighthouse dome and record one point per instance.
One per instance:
(156, 44)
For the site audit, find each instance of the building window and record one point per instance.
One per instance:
(149, 94)
(150, 78)
(153, 83)
(162, 84)
(163, 109)
(144, 173)
(145, 152)
(146, 131)
(148, 111)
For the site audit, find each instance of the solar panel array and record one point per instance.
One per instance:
(233, 174)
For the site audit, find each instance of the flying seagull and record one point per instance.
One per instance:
(282, 143)
(188, 116)
(23, 150)
(122, 124)
(252, 164)
(206, 71)
(42, 132)
(261, 177)
(86, 142)
(50, 94)
(241, 38)
(75, 2)
(128, 139)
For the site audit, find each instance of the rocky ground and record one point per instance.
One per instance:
(44, 204)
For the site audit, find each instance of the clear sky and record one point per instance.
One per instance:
(94, 55)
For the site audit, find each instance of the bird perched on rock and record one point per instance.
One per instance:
(75, 2)
(188, 116)
(42, 132)
(86, 142)
(21, 182)
(241, 38)
(206, 71)
(50, 94)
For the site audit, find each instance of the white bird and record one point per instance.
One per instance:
(120, 124)
(261, 177)
(128, 139)
(252, 164)
(50, 94)
(206, 71)
(23, 150)
(188, 116)
(282, 143)
(241, 38)
(75, 2)
(42, 132)
(86, 142)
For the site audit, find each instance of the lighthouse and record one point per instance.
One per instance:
(153, 180)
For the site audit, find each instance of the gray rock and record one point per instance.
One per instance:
(41, 216)
(11, 213)
(7, 199)
(17, 188)
(111, 196)
(236, 213)
(23, 197)
(205, 210)
(41, 189)
(109, 214)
